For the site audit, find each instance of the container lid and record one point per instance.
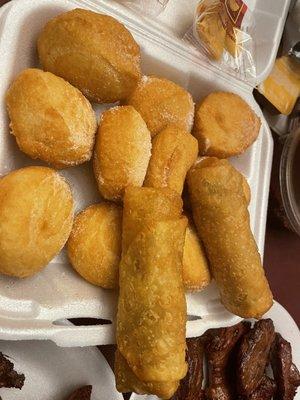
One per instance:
(173, 23)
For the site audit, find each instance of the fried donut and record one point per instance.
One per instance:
(94, 52)
(174, 151)
(94, 246)
(161, 102)
(225, 125)
(51, 119)
(122, 151)
(36, 216)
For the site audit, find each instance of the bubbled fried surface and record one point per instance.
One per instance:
(36, 217)
(143, 206)
(127, 381)
(93, 52)
(223, 223)
(152, 308)
(50, 119)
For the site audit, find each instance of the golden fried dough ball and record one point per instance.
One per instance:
(196, 274)
(94, 246)
(51, 119)
(94, 52)
(161, 102)
(122, 151)
(174, 151)
(225, 125)
(36, 217)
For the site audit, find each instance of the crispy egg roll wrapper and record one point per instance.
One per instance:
(174, 151)
(222, 219)
(127, 381)
(142, 206)
(195, 269)
(151, 315)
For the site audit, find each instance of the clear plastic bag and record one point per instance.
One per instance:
(149, 7)
(223, 31)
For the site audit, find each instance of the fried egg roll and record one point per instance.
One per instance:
(151, 314)
(174, 151)
(127, 381)
(219, 204)
(142, 207)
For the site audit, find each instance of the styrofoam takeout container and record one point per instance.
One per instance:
(32, 308)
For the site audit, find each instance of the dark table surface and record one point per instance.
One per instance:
(281, 261)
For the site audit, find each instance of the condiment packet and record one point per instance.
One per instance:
(150, 7)
(222, 30)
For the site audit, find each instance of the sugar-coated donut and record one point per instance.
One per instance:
(94, 52)
(225, 125)
(36, 216)
(162, 102)
(51, 119)
(94, 246)
(122, 151)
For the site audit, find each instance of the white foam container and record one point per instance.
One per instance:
(32, 308)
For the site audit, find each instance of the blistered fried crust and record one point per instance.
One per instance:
(122, 152)
(51, 119)
(174, 151)
(223, 224)
(152, 309)
(143, 207)
(195, 269)
(161, 103)
(127, 381)
(225, 125)
(36, 217)
(94, 246)
(94, 52)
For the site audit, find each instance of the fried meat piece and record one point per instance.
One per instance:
(219, 344)
(253, 356)
(285, 372)
(9, 378)
(83, 393)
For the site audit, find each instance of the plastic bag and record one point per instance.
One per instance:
(223, 31)
(150, 7)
